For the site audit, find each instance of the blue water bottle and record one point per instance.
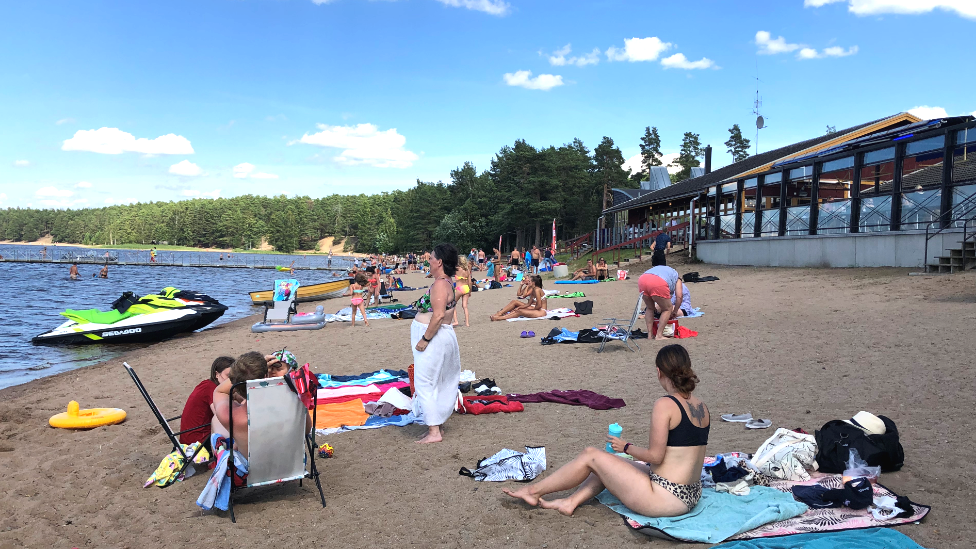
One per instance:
(615, 431)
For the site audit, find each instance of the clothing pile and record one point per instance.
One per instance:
(366, 401)
(509, 465)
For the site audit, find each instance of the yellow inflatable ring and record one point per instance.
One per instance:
(86, 419)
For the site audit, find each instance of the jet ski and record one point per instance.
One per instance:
(136, 320)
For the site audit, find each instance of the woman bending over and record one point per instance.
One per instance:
(671, 484)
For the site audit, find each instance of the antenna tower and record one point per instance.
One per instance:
(756, 105)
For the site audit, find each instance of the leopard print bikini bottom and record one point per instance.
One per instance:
(689, 494)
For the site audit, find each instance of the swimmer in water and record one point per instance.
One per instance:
(73, 272)
(104, 272)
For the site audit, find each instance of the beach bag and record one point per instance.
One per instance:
(494, 285)
(787, 455)
(510, 465)
(621, 274)
(837, 438)
(583, 307)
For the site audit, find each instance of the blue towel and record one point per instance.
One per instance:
(718, 515)
(576, 282)
(380, 376)
(871, 538)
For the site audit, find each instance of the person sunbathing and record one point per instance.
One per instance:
(586, 273)
(670, 484)
(533, 307)
(602, 271)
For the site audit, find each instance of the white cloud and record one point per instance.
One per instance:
(965, 8)
(639, 49)
(83, 185)
(116, 141)
(121, 200)
(363, 144)
(212, 194)
(559, 57)
(242, 170)
(263, 175)
(493, 7)
(972, 113)
(679, 61)
(926, 112)
(524, 79)
(807, 53)
(185, 168)
(65, 121)
(772, 46)
(833, 51)
(190, 192)
(21, 163)
(52, 192)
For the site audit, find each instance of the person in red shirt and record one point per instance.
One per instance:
(198, 410)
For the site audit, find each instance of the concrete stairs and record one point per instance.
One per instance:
(953, 263)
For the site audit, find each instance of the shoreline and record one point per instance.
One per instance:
(168, 248)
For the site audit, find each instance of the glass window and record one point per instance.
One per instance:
(921, 182)
(748, 209)
(798, 199)
(964, 156)
(879, 156)
(834, 196)
(727, 211)
(876, 186)
(770, 204)
(924, 145)
(963, 199)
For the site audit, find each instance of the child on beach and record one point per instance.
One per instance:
(358, 291)
(198, 410)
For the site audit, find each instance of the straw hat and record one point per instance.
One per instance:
(867, 422)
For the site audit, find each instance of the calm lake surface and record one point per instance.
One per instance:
(34, 294)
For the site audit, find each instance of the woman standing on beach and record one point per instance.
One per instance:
(464, 284)
(670, 485)
(436, 355)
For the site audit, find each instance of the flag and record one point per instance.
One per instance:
(554, 237)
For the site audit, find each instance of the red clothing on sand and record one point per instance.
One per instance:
(197, 412)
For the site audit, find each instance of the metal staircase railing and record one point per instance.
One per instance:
(965, 234)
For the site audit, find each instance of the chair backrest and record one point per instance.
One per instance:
(276, 432)
(278, 311)
(637, 309)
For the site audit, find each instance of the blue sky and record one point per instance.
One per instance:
(113, 102)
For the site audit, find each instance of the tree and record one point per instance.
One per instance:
(831, 129)
(691, 151)
(737, 145)
(650, 149)
(609, 161)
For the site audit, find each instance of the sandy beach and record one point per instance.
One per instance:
(799, 347)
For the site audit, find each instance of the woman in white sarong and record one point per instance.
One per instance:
(436, 356)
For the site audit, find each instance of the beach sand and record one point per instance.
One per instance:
(797, 346)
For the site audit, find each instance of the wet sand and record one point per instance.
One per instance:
(797, 346)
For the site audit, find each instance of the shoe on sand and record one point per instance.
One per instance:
(737, 418)
(758, 424)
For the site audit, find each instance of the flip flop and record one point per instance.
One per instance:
(524, 335)
(531, 334)
(737, 418)
(758, 424)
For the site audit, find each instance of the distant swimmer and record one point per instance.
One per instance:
(104, 272)
(73, 272)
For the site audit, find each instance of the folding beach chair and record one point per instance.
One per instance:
(279, 447)
(164, 423)
(283, 302)
(622, 332)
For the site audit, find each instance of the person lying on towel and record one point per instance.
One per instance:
(670, 484)
(533, 307)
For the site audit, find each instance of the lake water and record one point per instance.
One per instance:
(34, 294)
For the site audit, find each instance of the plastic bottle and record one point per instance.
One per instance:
(613, 430)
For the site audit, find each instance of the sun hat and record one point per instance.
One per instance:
(287, 358)
(867, 422)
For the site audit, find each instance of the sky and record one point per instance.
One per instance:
(117, 102)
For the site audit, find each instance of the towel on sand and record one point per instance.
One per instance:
(717, 517)
(590, 399)
(872, 538)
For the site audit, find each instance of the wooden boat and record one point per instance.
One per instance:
(312, 292)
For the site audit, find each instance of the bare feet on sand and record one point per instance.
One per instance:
(431, 437)
(524, 495)
(562, 505)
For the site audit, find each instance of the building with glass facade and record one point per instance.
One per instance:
(863, 196)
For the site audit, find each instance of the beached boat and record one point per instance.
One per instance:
(312, 292)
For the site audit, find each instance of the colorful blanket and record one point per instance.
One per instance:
(829, 520)
(551, 313)
(874, 538)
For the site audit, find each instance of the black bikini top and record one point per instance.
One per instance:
(687, 433)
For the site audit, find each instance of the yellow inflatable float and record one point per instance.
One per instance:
(75, 418)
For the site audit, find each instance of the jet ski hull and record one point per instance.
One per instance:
(139, 329)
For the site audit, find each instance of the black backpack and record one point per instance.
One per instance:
(583, 307)
(836, 439)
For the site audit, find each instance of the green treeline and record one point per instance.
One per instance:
(518, 196)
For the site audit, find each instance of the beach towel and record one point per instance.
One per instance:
(717, 517)
(787, 455)
(576, 281)
(560, 335)
(168, 471)
(589, 399)
(285, 289)
(379, 376)
(216, 493)
(872, 538)
(340, 414)
(562, 312)
(476, 405)
(509, 465)
(573, 294)
(830, 520)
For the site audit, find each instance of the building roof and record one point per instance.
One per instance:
(760, 163)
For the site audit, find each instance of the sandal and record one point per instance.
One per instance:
(758, 424)
(737, 418)
(524, 334)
